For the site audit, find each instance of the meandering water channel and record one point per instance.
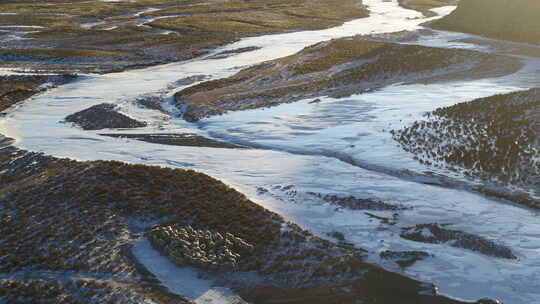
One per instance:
(302, 148)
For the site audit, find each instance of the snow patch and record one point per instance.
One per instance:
(185, 281)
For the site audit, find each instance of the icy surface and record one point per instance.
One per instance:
(183, 281)
(443, 10)
(303, 145)
(12, 71)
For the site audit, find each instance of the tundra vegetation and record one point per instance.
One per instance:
(336, 68)
(493, 139)
(14, 89)
(103, 116)
(66, 228)
(102, 36)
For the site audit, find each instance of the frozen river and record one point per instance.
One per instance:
(302, 148)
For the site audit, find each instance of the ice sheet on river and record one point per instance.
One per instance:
(354, 127)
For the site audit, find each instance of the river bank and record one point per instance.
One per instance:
(295, 173)
(16, 88)
(337, 68)
(86, 216)
(115, 36)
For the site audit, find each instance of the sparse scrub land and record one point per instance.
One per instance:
(61, 218)
(334, 68)
(67, 227)
(239, 18)
(66, 216)
(14, 89)
(63, 227)
(74, 291)
(493, 139)
(112, 36)
(495, 19)
(103, 116)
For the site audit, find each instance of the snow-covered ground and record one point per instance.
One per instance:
(302, 143)
(183, 281)
(10, 72)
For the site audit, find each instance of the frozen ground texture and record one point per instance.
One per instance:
(302, 141)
